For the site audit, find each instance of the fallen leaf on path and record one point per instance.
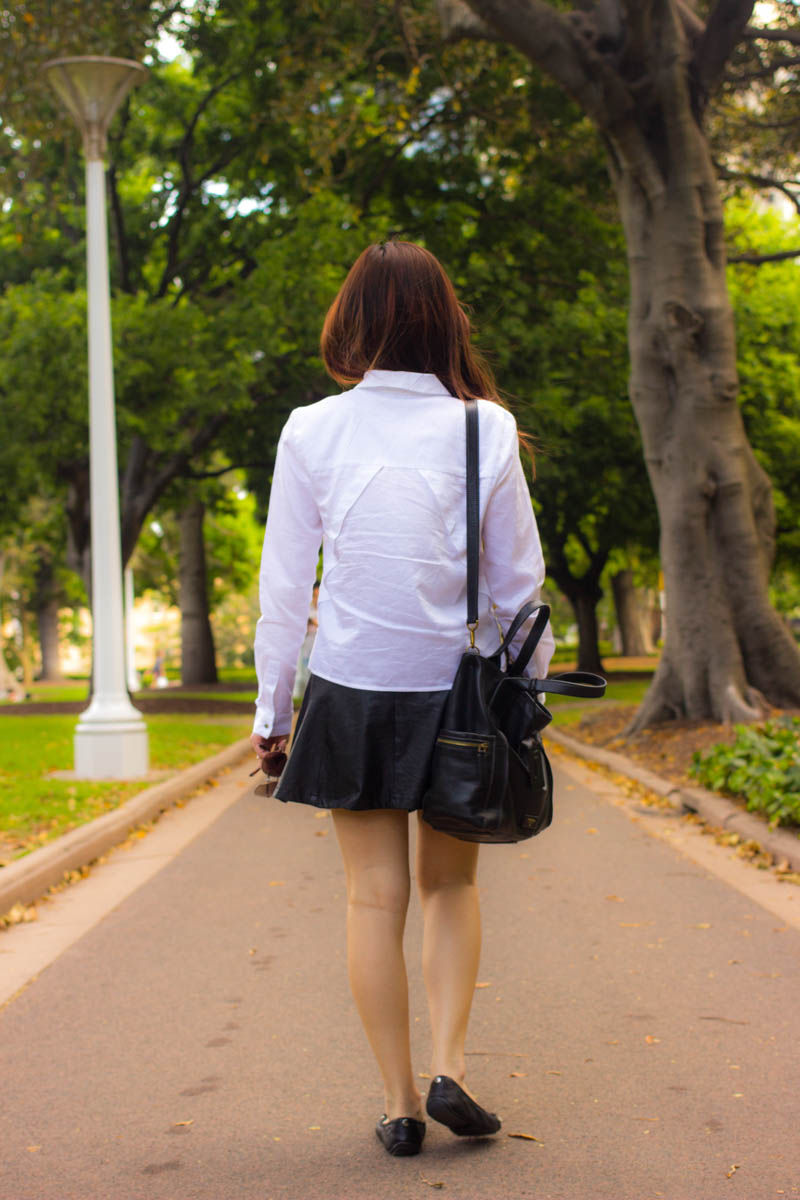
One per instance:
(315, 1127)
(320, 833)
(32, 1149)
(277, 883)
(176, 1123)
(482, 985)
(633, 924)
(552, 1072)
(590, 830)
(518, 1074)
(618, 899)
(430, 1182)
(651, 1040)
(702, 925)
(734, 1168)
(527, 1137)
(320, 816)
(423, 1075)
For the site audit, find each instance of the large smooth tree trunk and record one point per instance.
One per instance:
(629, 615)
(643, 72)
(198, 659)
(725, 648)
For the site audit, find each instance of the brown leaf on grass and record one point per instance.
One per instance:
(527, 1137)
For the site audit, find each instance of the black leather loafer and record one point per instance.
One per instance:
(402, 1136)
(452, 1106)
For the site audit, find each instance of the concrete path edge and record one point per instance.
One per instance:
(712, 808)
(27, 879)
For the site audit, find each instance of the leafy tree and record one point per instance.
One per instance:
(766, 304)
(201, 573)
(644, 74)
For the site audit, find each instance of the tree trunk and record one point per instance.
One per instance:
(629, 616)
(47, 620)
(584, 605)
(584, 593)
(725, 648)
(198, 659)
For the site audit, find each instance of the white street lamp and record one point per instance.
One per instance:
(111, 736)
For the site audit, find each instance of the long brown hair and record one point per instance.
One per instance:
(398, 311)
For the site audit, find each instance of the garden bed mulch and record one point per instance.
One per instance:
(665, 749)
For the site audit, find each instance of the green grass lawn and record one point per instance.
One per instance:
(35, 808)
(568, 710)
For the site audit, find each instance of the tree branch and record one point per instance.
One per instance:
(761, 181)
(764, 73)
(457, 21)
(555, 43)
(188, 186)
(757, 259)
(753, 34)
(724, 30)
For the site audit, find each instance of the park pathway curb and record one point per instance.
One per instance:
(712, 808)
(27, 879)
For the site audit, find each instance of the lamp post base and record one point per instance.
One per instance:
(115, 749)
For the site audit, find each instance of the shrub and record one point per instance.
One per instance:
(762, 767)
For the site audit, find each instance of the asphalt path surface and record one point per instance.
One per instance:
(636, 1015)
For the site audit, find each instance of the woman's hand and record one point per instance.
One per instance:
(271, 752)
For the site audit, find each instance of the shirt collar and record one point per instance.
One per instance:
(405, 381)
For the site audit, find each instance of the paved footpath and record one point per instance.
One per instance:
(636, 1014)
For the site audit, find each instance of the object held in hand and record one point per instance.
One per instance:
(272, 765)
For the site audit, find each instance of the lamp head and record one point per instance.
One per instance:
(91, 89)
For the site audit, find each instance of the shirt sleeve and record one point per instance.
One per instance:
(512, 552)
(288, 569)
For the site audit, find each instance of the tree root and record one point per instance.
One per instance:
(736, 708)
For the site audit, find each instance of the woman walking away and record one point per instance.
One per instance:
(376, 475)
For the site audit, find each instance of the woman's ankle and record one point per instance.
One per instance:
(452, 1068)
(404, 1104)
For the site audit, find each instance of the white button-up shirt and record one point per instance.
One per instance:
(377, 476)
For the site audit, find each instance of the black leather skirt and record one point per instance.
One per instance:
(359, 749)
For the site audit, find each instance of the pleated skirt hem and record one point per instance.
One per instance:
(361, 750)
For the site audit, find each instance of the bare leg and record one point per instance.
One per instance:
(374, 847)
(446, 870)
